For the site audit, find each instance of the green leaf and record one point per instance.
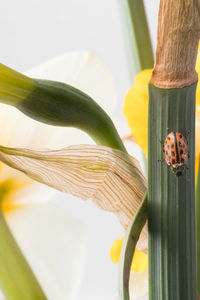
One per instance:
(17, 280)
(198, 228)
(58, 104)
(171, 199)
(136, 32)
(128, 247)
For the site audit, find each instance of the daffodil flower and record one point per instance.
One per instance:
(43, 231)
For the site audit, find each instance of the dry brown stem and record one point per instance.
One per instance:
(177, 43)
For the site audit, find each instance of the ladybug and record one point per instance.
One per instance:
(176, 152)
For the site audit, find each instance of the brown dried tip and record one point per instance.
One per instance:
(177, 44)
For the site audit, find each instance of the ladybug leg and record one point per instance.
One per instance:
(188, 154)
(161, 160)
(187, 133)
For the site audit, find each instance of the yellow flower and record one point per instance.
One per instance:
(136, 109)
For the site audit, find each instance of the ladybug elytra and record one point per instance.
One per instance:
(176, 152)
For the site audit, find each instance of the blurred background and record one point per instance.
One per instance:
(35, 31)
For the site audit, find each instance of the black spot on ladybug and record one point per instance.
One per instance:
(179, 173)
(177, 154)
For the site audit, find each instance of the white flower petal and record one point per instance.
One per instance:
(138, 285)
(19, 130)
(83, 70)
(54, 244)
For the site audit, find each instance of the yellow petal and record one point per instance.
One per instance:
(197, 148)
(140, 259)
(136, 108)
(115, 250)
(197, 135)
(11, 184)
(198, 84)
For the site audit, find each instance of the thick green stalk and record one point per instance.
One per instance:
(17, 280)
(171, 199)
(58, 104)
(198, 229)
(130, 240)
(138, 42)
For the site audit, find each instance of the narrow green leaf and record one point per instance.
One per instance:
(138, 42)
(128, 247)
(17, 280)
(198, 228)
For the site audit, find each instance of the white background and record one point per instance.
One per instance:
(33, 31)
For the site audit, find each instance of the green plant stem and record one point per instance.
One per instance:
(138, 42)
(171, 199)
(130, 240)
(198, 228)
(17, 280)
(58, 104)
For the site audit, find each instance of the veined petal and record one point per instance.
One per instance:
(110, 178)
(54, 244)
(18, 190)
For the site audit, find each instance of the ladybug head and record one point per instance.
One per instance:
(178, 171)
